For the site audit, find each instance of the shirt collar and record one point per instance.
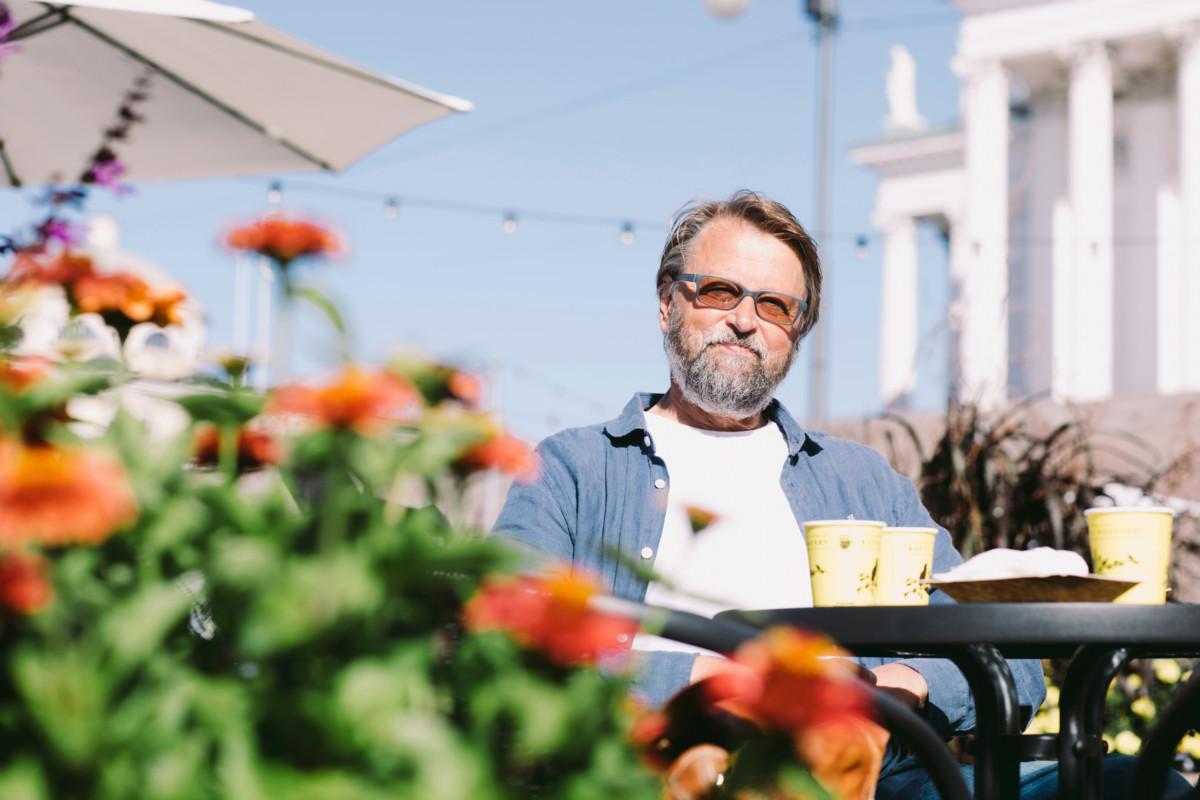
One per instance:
(632, 419)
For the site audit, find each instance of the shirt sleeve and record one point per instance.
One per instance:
(950, 707)
(539, 514)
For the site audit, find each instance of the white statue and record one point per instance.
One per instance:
(902, 92)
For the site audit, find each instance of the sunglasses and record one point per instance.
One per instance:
(724, 294)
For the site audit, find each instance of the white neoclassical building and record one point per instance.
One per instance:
(1069, 195)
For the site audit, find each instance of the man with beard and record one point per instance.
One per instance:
(739, 285)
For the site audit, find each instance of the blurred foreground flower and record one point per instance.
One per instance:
(503, 452)
(699, 518)
(550, 614)
(284, 240)
(359, 399)
(19, 373)
(788, 680)
(255, 449)
(24, 587)
(56, 495)
(438, 382)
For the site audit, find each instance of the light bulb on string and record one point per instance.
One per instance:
(726, 8)
(860, 247)
(510, 222)
(626, 233)
(274, 193)
(391, 208)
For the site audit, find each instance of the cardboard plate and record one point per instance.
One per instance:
(1043, 589)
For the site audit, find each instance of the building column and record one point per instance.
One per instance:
(1186, 306)
(983, 255)
(898, 310)
(1090, 159)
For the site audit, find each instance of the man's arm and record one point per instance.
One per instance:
(540, 517)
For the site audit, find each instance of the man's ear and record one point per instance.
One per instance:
(664, 309)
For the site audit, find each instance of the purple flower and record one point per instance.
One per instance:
(59, 230)
(7, 23)
(106, 174)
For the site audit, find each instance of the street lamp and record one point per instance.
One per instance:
(823, 14)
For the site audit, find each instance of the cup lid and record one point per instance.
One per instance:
(846, 523)
(1130, 510)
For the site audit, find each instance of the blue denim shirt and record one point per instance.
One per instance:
(602, 488)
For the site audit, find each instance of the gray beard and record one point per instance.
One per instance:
(718, 388)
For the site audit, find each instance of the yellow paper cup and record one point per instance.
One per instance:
(1133, 543)
(905, 566)
(843, 557)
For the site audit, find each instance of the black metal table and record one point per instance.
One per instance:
(1097, 637)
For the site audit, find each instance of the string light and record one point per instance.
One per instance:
(274, 193)
(391, 208)
(510, 222)
(860, 247)
(626, 232)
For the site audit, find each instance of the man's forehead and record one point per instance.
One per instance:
(737, 249)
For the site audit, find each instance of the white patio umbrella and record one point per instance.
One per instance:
(230, 95)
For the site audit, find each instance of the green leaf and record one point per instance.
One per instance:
(230, 408)
(135, 628)
(23, 780)
(308, 597)
(322, 303)
(66, 695)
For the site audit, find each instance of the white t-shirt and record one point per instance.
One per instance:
(754, 554)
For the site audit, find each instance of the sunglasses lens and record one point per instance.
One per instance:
(718, 293)
(777, 308)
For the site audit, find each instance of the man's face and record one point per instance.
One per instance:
(729, 362)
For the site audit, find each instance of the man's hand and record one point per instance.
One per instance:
(903, 683)
(705, 666)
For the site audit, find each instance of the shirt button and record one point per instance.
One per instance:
(659, 483)
(647, 553)
(646, 441)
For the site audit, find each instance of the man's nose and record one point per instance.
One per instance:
(743, 317)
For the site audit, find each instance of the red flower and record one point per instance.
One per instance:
(359, 399)
(56, 495)
(284, 240)
(550, 614)
(24, 587)
(255, 449)
(502, 452)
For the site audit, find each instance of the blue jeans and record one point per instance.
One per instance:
(1039, 781)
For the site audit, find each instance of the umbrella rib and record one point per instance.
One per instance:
(345, 69)
(39, 24)
(203, 95)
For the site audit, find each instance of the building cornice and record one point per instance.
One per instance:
(897, 149)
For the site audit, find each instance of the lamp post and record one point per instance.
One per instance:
(823, 13)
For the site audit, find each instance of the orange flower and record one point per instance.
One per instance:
(128, 295)
(504, 452)
(789, 681)
(255, 449)
(24, 587)
(359, 399)
(284, 240)
(33, 266)
(20, 372)
(699, 518)
(550, 614)
(465, 388)
(57, 495)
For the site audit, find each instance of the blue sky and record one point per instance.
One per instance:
(677, 104)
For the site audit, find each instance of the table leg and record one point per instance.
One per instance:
(1081, 720)
(1180, 715)
(997, 721)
